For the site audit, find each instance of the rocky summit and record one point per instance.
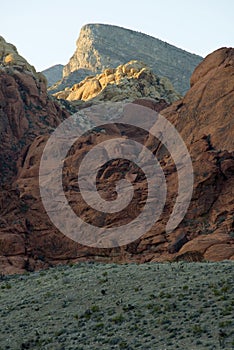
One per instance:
(102, 46)
(204, 118)
(126, 82)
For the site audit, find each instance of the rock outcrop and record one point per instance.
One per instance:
(204, 118)
(70, 80)
(53, 74)
(10, 57)
(102, 46)
(208, 109)
(126, 82)
(26, 110)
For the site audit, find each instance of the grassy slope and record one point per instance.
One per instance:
(106, 306)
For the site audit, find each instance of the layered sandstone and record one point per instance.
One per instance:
(204, 118)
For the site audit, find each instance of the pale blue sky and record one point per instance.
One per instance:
(45, 31)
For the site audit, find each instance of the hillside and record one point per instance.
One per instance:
(108, 306)
(102, 46)
(53, 74)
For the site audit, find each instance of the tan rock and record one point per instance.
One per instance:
(219, 252)
(101, 46)
(9, 56)
(127, 82)
(203, 242)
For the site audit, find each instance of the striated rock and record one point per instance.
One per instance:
(209, 246)
(126, 82)
(53, 74)
(102, 46)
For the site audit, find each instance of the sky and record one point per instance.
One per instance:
(45, 31)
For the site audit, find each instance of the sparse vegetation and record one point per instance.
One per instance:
(149, 306)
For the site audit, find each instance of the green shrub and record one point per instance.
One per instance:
(118, 319)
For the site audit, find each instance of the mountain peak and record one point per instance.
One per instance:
(101, 46)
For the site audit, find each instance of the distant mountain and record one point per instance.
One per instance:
(102, 46)
(53, 74)
(68, 81)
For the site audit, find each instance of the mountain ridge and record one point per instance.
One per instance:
(101, 46)
(53, 73)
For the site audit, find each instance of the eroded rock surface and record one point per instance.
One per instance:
(126, 82)
(204, 118)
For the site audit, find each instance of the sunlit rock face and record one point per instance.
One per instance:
(102, 46)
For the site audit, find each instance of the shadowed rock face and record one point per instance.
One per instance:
(68, 81)
(53, 74)
(204, 117)
(102, 46)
